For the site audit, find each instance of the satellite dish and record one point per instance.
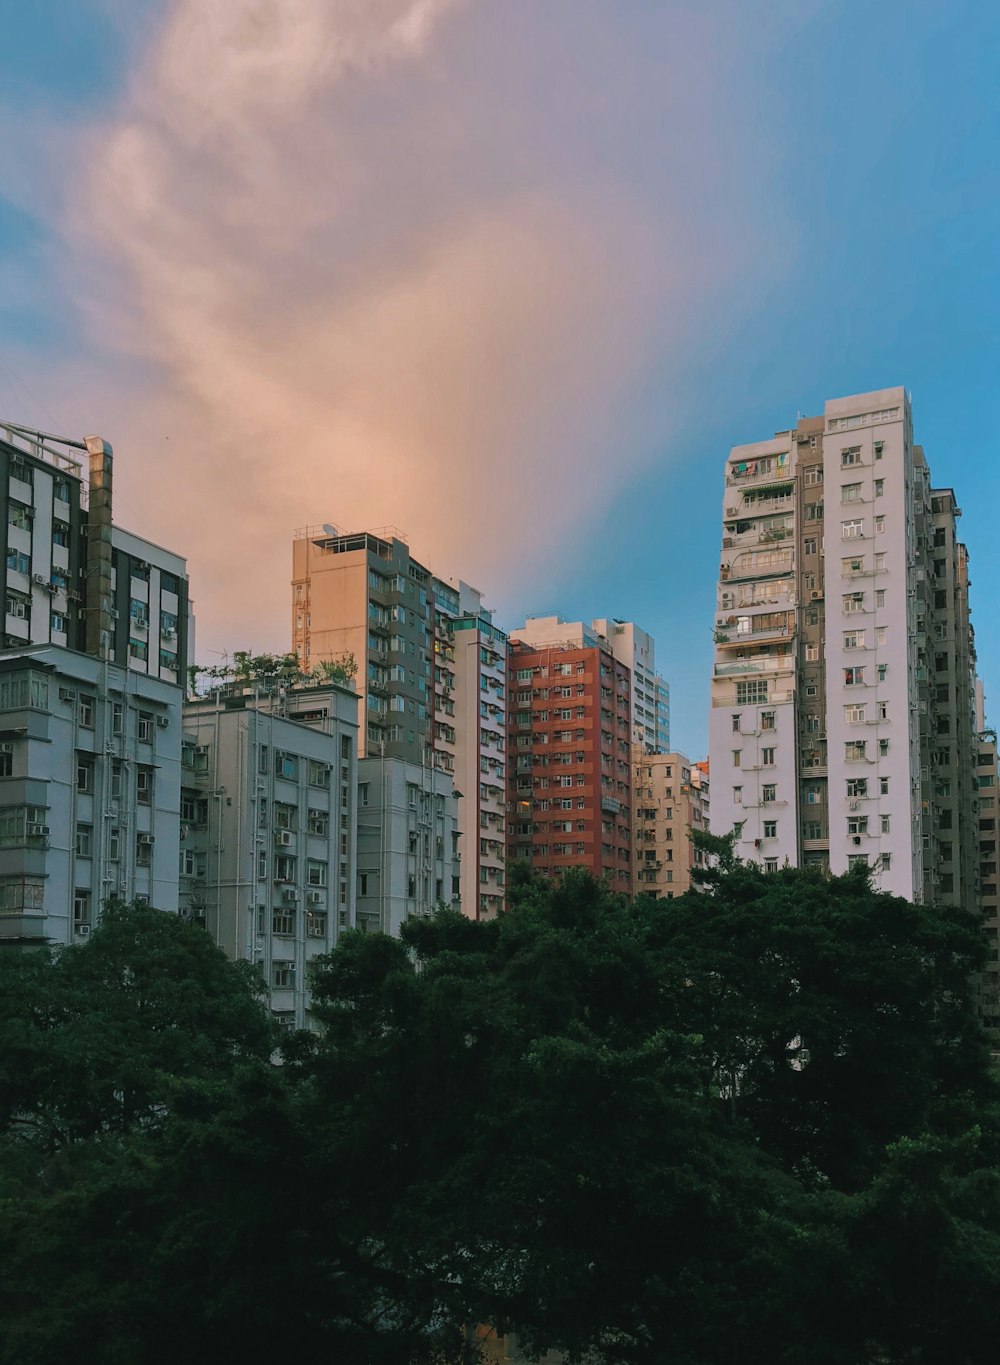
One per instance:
(330, 530)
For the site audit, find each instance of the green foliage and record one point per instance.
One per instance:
(752, 1125)
(271, 670)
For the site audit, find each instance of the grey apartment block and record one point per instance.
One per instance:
(470, 737)
(268, 828)
(408, 854)
(841, 725)
(89, 791)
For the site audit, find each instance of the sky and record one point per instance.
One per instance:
(511, 275)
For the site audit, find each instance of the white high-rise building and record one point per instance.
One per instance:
(841, 720)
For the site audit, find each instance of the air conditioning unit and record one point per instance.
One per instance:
(38, 831)
(145, 839)
(816, 594)
(113, 613)
(41, 580)
(283, 838)
(82, 929)
(732, 511)
(163, 722)
(67, 694)
(168, 632)
(857, 838)
(201, 750)
(289, 895)
(315, 897)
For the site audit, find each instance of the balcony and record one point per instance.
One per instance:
(766, 663)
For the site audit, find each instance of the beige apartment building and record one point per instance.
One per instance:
(670, 798)
(431, 673)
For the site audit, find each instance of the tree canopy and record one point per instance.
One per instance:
(757, 1124)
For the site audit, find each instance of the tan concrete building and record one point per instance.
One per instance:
(670, 799)
(988, 820)
(363, 594)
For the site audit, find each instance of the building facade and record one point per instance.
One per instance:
(268, 828)
(988, 835)
(408, 843)
(670, 799)
(841, 718)
(363, 595)
(90, 697)
(569, 769)
(631, 646)
(470, 737)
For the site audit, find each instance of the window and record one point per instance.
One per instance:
(854, 602)
(813, 794)
(852, 530)
(144, 786)
(880, 597)
(316, 873)
(857, 786)
(882, 710)
(883, 748)
(767, 758)
(85, 711)
(879, 487)
(854, 751)
(770, 829)
(886, 860)
(880, 562)
(84, 841)
(145, 728)
(881, 634)
(884, 823)
(318, 822)
(18, 607)
(286, 765)
(811, 653)
(84, 775)
(737, 754)
(17, 562)
(770, 864)
(883, 670)
(879, 447)
(857, 824)
(283, 974)
(283, 921)
(854, 714)
(854, 677)
(809, 545)
(316, 924)
(767, 720)
(852, 566)
(812, 829)
(81, 907)
(850, 492)
(857, 860)
(850, 455)
(813, 475)
(736, 724)
(748, 693)
(854, 639)
(880, 525)
(318, 774)
(143, 850)
(768, 792)
(737, 796)
(883, 786)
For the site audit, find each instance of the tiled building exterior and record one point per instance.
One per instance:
(670, 799)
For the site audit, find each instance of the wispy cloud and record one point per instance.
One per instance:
(356, 262)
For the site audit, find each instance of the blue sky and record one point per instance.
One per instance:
(726, 215)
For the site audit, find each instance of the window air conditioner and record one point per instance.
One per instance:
(289, 895)
(857, 838)
(315, 897)
(162, 722)
(38, 831)
(283, 838)
(82, 929)
(146, 839)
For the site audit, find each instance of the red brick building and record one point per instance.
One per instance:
(568, 760)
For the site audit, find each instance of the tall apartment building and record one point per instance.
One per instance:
(408, 835)
(97, 625)
(988, 836)
(631, 646)
(670, 799)
(432, 675)
(570, 772)
(363, 594)
(268, 827)
(841, 718)
(470, 736)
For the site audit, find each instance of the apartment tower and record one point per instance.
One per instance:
(670, 800)
(631, 646)
(841, 724)
(570, 778)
